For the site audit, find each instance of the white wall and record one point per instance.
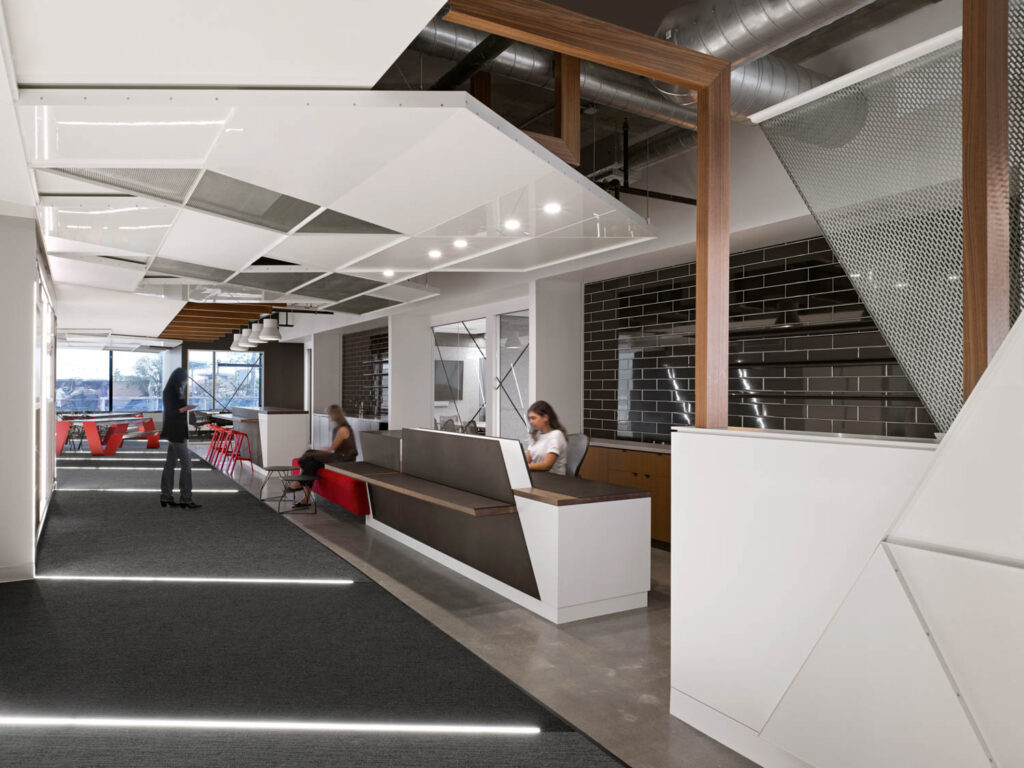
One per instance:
(17, 513)
(411, 377)
(556, 348)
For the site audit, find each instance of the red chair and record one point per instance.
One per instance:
(213, 451)
(240, 439)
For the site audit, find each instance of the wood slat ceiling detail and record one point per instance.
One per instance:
(208, 322)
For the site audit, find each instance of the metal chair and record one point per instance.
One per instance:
(470, 428)
(575, 453)
(448, 426)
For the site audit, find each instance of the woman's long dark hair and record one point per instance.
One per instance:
(543, 408)
(176, 380)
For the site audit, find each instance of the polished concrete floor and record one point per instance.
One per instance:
(608, 676)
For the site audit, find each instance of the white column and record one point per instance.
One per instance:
(17, 450)
(556, 348)
(411, 377)
(326, 370)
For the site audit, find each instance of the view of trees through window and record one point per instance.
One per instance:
(100, 380)
(225, 379)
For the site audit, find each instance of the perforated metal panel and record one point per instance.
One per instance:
(171, 184)
(886, 191)
(226, 196)
(334, 222)
(360, 305)
(1016, 146)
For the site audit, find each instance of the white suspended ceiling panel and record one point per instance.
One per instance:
(873, 692)
(124, 223)
(306, 43)
(331, 252)
(119, 311)
(216, 241)
(114, 275)
(975, 612)
(367, 183)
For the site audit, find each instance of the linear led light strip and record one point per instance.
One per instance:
(851, 78)
(145, 490)
(104, 459)
(201, 580)
(137, 469)
(264, 725)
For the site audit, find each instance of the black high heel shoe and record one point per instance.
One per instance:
(168, 503)
(189, 505)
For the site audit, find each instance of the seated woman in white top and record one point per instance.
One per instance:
(548, 445)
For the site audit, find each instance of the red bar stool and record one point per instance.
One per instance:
(213, 452)
(227, 448)
(240, 439)
(212, 445)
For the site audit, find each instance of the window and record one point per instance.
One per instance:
(225, 379)
(83, 380)
(138, 381)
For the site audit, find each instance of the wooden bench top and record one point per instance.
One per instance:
(561, 491)
(425, 490)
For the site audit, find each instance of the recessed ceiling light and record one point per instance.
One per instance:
(434, 254)
(388, 273)
(460, 243)
(552, 208)
(512, 224)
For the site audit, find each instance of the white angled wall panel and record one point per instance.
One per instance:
(975, 612)
(972, 500)
(771, 532)
(873, 694)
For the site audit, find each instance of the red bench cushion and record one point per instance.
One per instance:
(343, 491)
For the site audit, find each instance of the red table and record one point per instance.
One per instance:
(117, 432)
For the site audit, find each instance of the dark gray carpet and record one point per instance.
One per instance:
(101, 749)
(349, 653)
(242, 651)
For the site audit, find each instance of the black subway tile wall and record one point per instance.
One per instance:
(803, 352)
(364, 379)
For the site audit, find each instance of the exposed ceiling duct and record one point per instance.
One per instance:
(599, 85)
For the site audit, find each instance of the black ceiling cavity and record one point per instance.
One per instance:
(274, 281)
(266, 261)
(240, 200)
(335, 223)
(338, 287)
(187, 269)
(360, 305)
(171, 184)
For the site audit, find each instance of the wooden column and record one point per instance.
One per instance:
(711, 377)
(565, 144)
(986, 219)
(576, 35)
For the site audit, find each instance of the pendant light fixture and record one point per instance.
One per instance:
(243, 339)
(254, 334)
(234, 343)
(271, 331)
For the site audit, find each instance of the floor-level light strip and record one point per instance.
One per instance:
(105, 458)
(202, 491)
(200, 579)
(264, 725)
(138, 469)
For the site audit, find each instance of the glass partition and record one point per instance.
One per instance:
(513, 374)
(460, 370)
(200, 379)
(239, 379)
(83, 380)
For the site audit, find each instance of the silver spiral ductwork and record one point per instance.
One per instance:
(599, 85)
(740, 31)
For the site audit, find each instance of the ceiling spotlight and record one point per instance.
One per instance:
(270, 331)
(512, 224)
(388, 273)
(552, 208)
(460, 243)
(434, 253)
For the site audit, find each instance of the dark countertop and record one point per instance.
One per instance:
(560, 490)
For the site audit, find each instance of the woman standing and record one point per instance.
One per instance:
(548, 445)
(175, 432)
(343, 448)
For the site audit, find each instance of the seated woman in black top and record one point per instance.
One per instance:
(343, 448)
